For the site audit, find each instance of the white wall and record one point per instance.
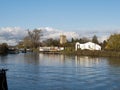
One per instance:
(88, 45)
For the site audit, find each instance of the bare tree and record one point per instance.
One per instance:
(27, 42)
(34, 37)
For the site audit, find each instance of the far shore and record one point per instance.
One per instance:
(95, 53)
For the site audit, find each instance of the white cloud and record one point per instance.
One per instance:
(55, 33)
(12, 35)
(102, 34)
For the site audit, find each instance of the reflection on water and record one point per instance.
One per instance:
(114, 61)
(51, 59)
(60, 72)
(87, 61)
(31, 58)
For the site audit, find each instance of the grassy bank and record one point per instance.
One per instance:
(101, 53)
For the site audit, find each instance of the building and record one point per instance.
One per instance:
(88, 46)
(50, 49)
(63, 39)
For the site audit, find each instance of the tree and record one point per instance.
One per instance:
(3, 48)
(84, 40)
(51, 42)
(72, 40)
(27, 42)
(103, 45)
(113, 42)
(94, 39)
(34, 37)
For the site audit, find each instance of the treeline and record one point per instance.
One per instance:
(34, 40)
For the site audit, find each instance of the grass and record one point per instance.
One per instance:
(102, 53)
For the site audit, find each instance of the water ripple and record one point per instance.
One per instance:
(56, 72)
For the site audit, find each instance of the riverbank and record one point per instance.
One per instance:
(95, 53)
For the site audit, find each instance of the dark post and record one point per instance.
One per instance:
(3, 80)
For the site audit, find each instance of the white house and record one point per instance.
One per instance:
(88, 45)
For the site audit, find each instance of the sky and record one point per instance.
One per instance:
(66, 15)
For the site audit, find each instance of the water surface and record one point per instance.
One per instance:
(32, 71)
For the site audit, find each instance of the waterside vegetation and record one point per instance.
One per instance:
(3, 48)
(95, 53)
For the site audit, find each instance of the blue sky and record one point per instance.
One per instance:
(68, 15)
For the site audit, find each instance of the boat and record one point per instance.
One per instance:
(13, 51)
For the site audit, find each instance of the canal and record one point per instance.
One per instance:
(31, 71)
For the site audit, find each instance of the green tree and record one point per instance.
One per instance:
(3, 48)
(94, 39)
(113, 42)
(84, 40)
(103, 45)
(72, 40)
(51, 42)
